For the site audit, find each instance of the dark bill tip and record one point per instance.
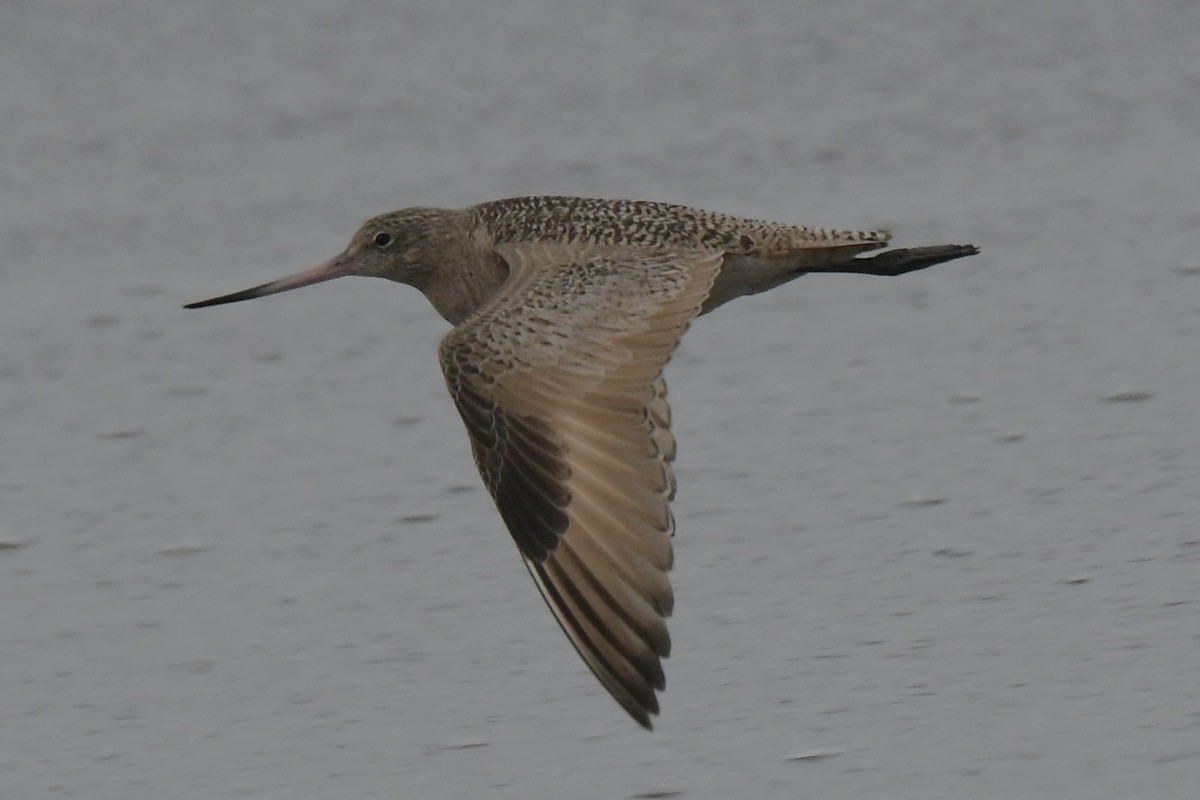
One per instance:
(333, 268)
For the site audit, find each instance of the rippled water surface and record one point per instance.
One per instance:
(937, 535)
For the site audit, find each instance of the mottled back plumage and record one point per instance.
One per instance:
(644, 223)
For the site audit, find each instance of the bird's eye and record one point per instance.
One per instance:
(383, 240)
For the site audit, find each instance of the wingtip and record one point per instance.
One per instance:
(643, 716)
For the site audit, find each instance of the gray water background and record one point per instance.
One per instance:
(937, 535)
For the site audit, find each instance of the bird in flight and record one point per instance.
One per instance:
(565, 312)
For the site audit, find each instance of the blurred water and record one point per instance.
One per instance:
(936, 535)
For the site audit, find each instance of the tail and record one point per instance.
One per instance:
(900, 261)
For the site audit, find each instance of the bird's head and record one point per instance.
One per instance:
(395, 245)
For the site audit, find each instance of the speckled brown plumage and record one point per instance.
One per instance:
(565, 311)
(644, 223)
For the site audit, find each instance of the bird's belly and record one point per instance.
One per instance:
(743, 275)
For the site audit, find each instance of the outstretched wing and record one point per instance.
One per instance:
(559, 382)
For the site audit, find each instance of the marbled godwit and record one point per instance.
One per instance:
(565, 312)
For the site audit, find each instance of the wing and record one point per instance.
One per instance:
(559, 382)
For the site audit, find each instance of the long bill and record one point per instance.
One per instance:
(335, 267)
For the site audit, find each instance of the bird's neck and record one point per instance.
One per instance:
(464, 280)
